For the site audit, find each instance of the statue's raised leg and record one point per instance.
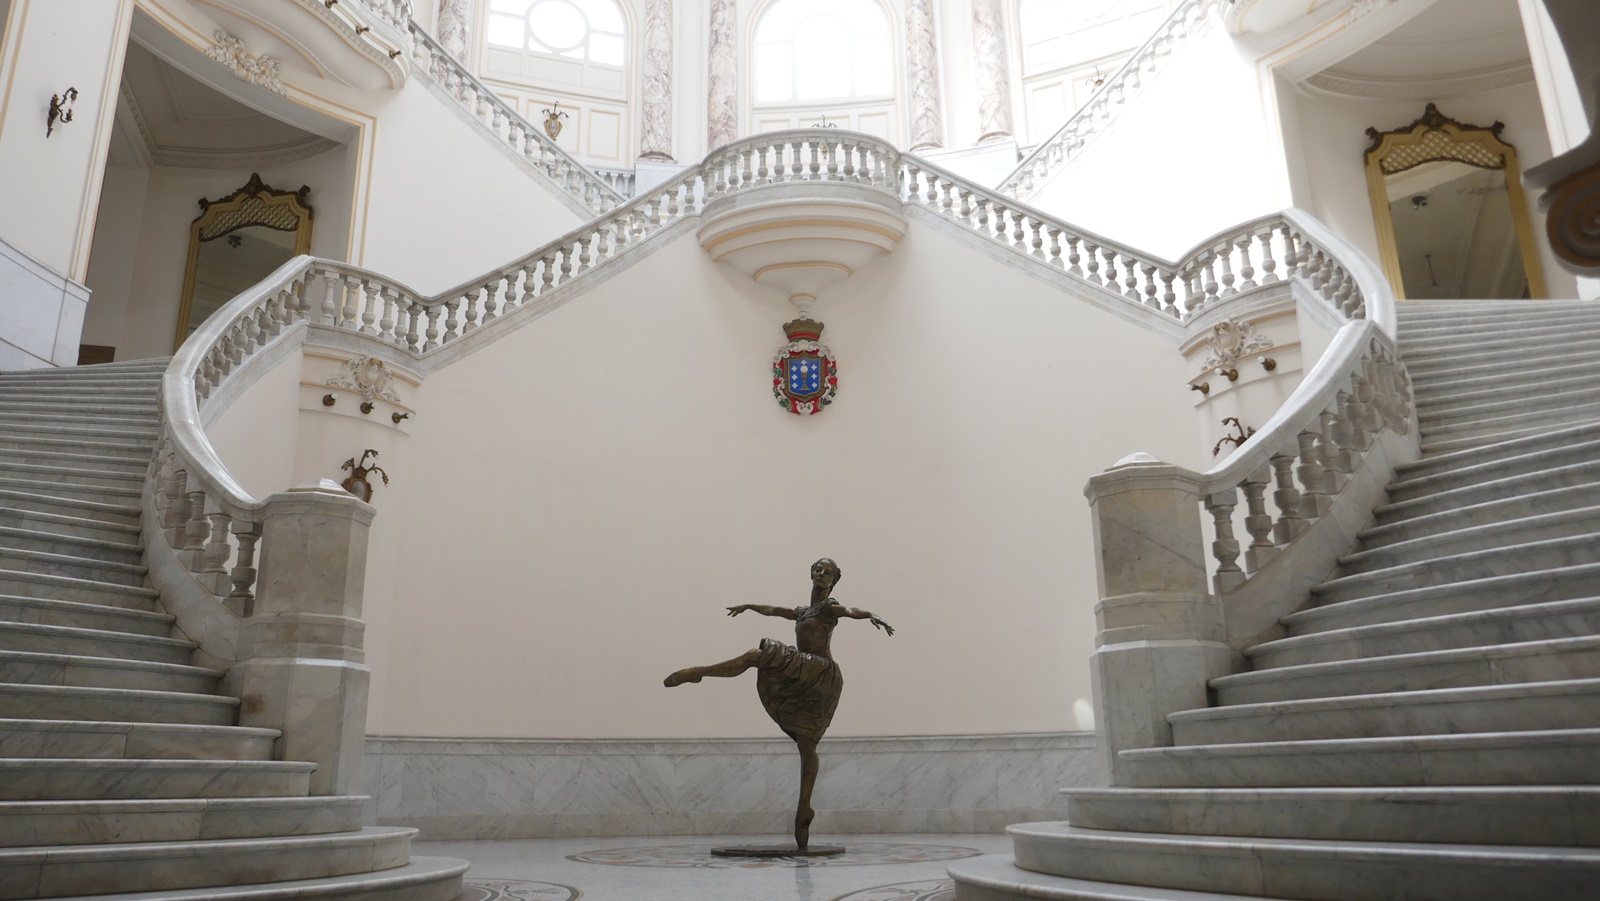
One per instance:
(724, 670)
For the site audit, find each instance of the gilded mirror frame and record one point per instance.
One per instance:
(1436, 137)
(256, 203)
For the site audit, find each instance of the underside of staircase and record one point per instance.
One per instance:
(1430, 726)
(122, 770)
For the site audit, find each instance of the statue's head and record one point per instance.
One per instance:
(825, 572)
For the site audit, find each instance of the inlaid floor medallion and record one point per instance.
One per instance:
(921, 890)
(856, 854)
(516, 890)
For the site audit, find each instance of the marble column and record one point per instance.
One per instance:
(722, 110)
(655, 142)
(454, 17)
(994, 84)
(922, 68)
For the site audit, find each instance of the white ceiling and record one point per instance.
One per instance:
(168, 118)
(1454, 47)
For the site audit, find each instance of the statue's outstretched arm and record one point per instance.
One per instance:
(764, 610)
(858, 613)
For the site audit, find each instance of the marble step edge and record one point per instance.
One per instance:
(131, 511)
(117, 450)
(147, 388)
(16, 431)
(1524, 450)
(1470, 491)
(1499, 530)
(1352, 747)
(1442, 390)
(1529, 340)
(1424, 362)
(1551, 398)
(1527, 385)
(149, 764)
(71, 583)
(1497, 433)
(55, 489)
(1309, 868)
(108, 636)
(25, 824)
(95, 403)
(59, 870)
(1410, 660)
(107, 693)
(1419, 567)
(72, 560)
(54, 416)
(68, 520)
(114, 727)
(1407, 706)
(80, 472)
(1499, 422)
(78, 457)
(421, 879)
(153, 619)
(996, 877)
(1425, 377)
(1548, 815)
(1500, 509)
(1452, 307)
(15, 533)
(1301, 621)
(107, 666)
(1502, 616)
(1424, 338)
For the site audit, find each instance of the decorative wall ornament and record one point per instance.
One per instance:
(552, 120)
(60, 110)
(1362, 8)
(260, 70)
(357, 483)
(367, 376)
(1231, 339)
(1242, 433)
(805, 376)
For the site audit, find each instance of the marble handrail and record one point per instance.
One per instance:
(505, 124)
(1054, 152)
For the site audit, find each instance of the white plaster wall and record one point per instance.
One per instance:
(257, 433)
(586, 496)
(114, 256)
(1332, 143)
(43, 313)
(1178, 164)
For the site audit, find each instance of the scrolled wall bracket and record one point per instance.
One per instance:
(60, 110)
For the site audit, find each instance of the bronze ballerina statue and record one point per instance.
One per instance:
(799, 684)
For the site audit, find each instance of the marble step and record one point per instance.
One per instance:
(1426, 364)
(1462, 371)
(141, 390)
(1555, 757)
(1422, 338)
(1434, 464)
(1414, 312)
(1518, 707)
(1564, 815)
(1516, 589)
(50, 542)
(71, 475)
(54, 871)
(27, 823)
(1492, 487)
(49, 639)
(1502, 625)
(1498, 432)
(1526, 661)
(1488, 466)
(88, 779)
(91, 527)
(1525, 557)
(1478, 425)
(68, 588)
(996, 877)
(29, 429)
(104, 494)
(78, 457)
(1310, 870)
(1497, 512)
(1481, 536)
(1548, 397)
(46, 612)
(108, 739)
(15, 560)
(91, 405)
(421, 879)
(76, 702)
(130, 451)
(20, 509)
(1527, 385)
(38, 668)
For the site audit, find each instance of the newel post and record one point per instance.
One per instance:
(1160, 630)
(301, 664)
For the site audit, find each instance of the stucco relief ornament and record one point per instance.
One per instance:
(260, 70)
(805, 376)
(1231, 339)
(368, 377)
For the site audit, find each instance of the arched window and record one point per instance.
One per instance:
(810, 50)
(580, 44)
(1068, 50)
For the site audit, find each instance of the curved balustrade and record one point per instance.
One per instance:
(1054, 153)
(505, 124)
(395, 13)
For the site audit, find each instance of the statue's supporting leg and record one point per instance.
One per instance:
(724, 670)
(803, 814)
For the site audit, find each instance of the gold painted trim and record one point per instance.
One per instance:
(817, 264)
(1487, 139)
(801, 223)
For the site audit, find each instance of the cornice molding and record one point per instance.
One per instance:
(1332, 82)
(191, 158)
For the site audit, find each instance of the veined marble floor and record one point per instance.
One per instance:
(678, 868)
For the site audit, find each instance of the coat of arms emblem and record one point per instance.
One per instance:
(805, 376)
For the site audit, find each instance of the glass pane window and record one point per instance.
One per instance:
(821, 50)
(590, 30)
(1056, 34)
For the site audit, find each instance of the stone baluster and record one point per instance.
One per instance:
(491, 299)
(1292, 522)
(214, 561)
(797, 163)
(352, 300)
(1208, 277)
(448, 326)
(434, 316)
(175, 513)
(1055, 248)
(1269, 266)
(469, 311)
(1247, 269)
(1151, 286)
(1169, 297)
(1225, 548)
(330, 296)
(1074, 258)
(1224, 258)
(413, 320)
(1091, 256)
(1019, 237)
(369, 306)
(197, 530)
(1316, 499)
(1257, 522)
(1354, 414)
(1335, 465)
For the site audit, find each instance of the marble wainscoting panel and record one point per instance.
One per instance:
(517, 788)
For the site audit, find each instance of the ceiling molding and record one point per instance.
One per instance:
(1333, 82)
(208, 158)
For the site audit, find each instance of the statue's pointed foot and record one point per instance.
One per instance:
(802, 827)
(681, 676)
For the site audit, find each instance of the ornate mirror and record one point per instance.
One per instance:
(1452, 221)
(236, 242)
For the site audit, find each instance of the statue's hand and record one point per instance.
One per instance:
(735, 611)
(888, 629)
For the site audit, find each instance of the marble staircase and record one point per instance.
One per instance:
(122, 769)
(1429, 725)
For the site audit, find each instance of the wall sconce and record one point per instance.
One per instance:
(1269, 363)
(357, 483)
(366, 407)
(1232, 374)
(397, 417)
(1203, 388)
(60, 110)
(329, 400)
